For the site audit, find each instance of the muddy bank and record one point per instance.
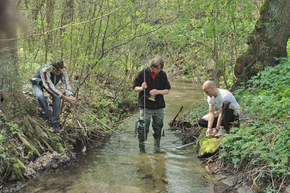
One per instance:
(46, 161)
(28, 147)
(216, 169)
(49, 161)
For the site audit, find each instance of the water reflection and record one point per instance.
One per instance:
(151, 172)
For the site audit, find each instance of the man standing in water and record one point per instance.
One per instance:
(46, 77)
(152, 84)
(229, 109)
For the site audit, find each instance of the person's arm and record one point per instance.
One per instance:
(49, 86)
(219, 121)
(45, 76)
(166, 87)
(68, 97)
(141, 88)
(66, 83)
(210, 120)
(161, 92)
(139, 84)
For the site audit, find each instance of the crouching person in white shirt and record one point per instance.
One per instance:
(228, 114)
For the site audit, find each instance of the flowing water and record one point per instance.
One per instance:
(118, 167)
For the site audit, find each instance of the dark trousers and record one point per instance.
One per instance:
(157, 116)
(228, 118)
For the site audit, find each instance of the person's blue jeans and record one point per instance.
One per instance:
(38, 91)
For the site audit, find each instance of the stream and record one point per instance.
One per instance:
(118, 167)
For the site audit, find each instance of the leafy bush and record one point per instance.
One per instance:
(264, 141)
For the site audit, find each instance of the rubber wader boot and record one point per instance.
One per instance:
(141, 136)
(141, 146)
(157, 144)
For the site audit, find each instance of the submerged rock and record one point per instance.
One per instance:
(207, 146)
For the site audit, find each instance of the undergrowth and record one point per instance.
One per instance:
(261, 146)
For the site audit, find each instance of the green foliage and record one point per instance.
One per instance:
(269, 92)
(2, 139)
(193, 115)
(207, 36)
(14, 128)
(265, 141)
(6, 129)
(275, 78)
(60, 148)
(18, 167)
(288, 48)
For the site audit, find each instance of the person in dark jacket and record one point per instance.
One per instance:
(152, 84)
(46, 77)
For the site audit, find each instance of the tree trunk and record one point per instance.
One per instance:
(268, 41)
(8, 21)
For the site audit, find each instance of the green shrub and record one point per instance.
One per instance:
(265, 140)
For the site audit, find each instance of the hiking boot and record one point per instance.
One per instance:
(46, 116)
(55, 127)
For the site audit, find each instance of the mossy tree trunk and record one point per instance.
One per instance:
(268, 41)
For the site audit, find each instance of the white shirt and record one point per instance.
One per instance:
(225, 95)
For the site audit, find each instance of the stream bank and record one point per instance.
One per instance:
(257, 153)
(190, 133)
(28, 146)
(117, 166)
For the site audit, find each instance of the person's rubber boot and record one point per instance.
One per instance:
(55, 127)
(157, 145)
(142, 147)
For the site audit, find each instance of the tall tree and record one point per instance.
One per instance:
(268, 41)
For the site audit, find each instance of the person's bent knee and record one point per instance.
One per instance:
(202, 122)
(54, 98)
(157, 135)
(157, 126)
(41, 98)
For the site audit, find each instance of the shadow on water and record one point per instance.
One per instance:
(119, 167)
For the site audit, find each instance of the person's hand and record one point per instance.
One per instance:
(215, 131)
(69, 99)
(208, 132)
(153, 92)
(144, 85)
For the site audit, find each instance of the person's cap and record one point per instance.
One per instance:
(58, 65)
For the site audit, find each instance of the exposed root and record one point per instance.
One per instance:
(21, 137)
